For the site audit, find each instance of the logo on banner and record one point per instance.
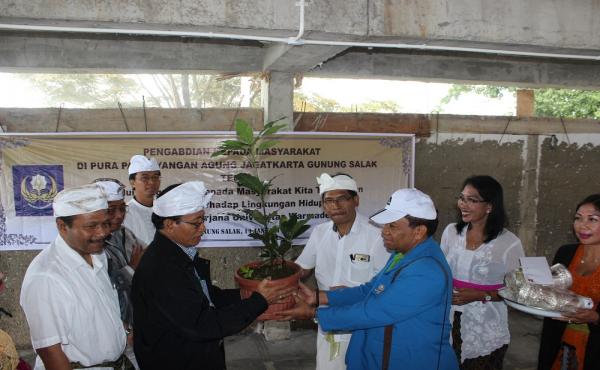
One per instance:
(34, 187)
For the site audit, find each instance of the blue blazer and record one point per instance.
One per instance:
(417, 304)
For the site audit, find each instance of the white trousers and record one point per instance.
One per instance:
(323, 362)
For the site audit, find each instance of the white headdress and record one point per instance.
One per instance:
(339, 182)
(140, 163)
(187, 198)
(79, 200)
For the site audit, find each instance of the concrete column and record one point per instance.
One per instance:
(277, 98)
(528, 197)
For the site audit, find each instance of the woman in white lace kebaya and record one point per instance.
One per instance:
(480, 251)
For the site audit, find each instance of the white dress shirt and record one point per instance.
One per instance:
(139, 221)
(67, 301)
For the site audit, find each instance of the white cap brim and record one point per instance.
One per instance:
(385, 216)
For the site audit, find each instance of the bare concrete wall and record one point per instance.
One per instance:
(442, 167)
(544, 172)
(569, 171)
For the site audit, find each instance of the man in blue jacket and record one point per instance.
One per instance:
(400, 318)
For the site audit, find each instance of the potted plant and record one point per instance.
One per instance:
(276, 231)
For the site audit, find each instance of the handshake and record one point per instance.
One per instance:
(307, 300)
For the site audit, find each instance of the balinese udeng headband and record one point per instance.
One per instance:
(140, 163)
(79, 200)
(187, 198)
(113, 188)
(339, 182)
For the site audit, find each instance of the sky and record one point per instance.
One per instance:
(411, 96)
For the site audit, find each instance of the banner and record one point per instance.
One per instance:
(34, 168)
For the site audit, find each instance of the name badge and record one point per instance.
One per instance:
(359, 257)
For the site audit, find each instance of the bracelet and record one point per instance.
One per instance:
(317, 300)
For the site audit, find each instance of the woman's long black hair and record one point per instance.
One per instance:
(491, 192)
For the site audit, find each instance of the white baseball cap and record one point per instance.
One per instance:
(185, 199)
(406, 202)
(140, 163)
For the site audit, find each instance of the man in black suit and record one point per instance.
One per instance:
(180, 318)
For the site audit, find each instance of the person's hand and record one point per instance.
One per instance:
(306, 294)
(136, 255)
(272, 293)
(302, 310)
(581, 316)
(462, 296)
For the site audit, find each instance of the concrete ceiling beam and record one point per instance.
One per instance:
(465, 68)
(92, 53)
(302, 58)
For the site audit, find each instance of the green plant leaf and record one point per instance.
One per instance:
(246, 272)
(244, 131)
(233, 145)
(292, 227)
(251, 182)
(271, 129)
(257, 216)
(218, 153)
(267, 144)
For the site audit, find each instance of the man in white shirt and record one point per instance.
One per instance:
(144, 177)
(124, 252)
(71, 307)
(345, 252)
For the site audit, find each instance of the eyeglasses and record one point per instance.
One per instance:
(147, 179)
(469, 200)
(196, 225)
(112, 210)
(339, 200)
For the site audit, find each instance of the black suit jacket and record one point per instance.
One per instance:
(552, 330)
(174, 325)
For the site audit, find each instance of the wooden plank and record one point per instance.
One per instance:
(418, 124)
(525, 103)
(425, 125)
(106, 120)
(211, 119)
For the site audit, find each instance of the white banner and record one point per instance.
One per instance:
(35, 167)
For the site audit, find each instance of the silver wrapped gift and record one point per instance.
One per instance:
(554, 297)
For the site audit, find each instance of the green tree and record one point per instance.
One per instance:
(318, 103)
(379, 106)
(567, 103)
(162, 90)
(315, 103)
(83, 90)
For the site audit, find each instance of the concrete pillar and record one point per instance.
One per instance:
(277, 98)
(528, 197)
